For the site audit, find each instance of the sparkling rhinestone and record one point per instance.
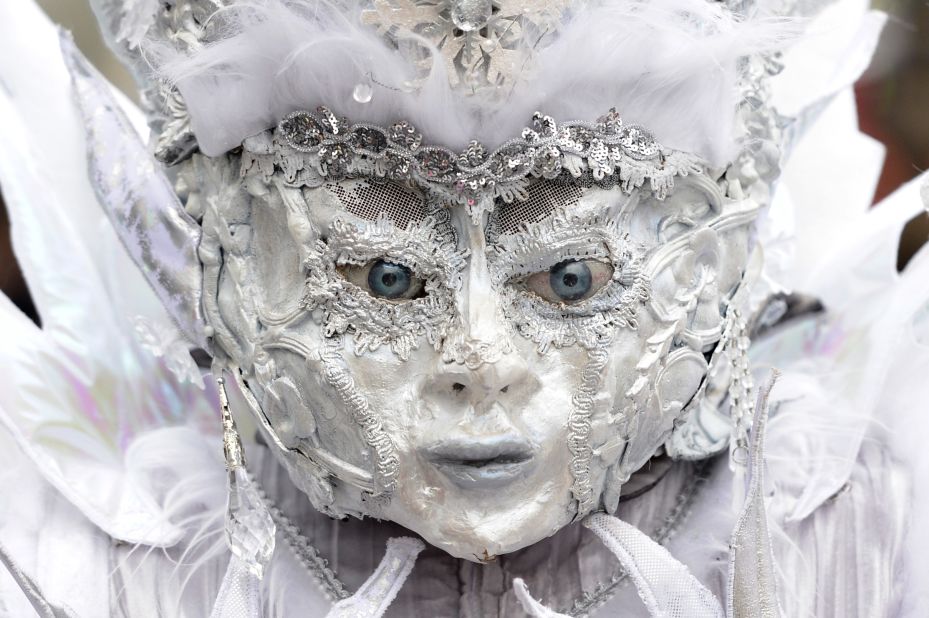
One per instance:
(468, 15)
(249, 527)
(363, 93)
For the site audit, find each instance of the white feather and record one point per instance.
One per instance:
(669, 65)
(183, 470)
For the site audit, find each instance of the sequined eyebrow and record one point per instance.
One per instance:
(324, 145)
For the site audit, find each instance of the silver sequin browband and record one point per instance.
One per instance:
(608, 151)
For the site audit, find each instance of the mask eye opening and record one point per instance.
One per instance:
(386, 280)
(571, 281)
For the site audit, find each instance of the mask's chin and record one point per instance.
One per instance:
(486, 543)
(478, 526)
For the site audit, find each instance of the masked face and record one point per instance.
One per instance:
(482, 381)
(481, 369)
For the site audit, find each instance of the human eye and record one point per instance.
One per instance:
(385, 279)
(570, 281)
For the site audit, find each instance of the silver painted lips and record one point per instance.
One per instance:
(481, 462)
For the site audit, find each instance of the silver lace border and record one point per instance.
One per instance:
(607, 149)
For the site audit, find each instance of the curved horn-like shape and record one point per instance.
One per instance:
(138, 198)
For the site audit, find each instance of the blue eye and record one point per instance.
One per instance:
(389, 280)
(386, 280)
(570, 280)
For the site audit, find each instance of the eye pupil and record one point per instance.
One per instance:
(571, 280)
(389, 280)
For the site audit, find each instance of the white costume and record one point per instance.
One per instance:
(473, 367)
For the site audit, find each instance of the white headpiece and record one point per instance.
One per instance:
(458, 70)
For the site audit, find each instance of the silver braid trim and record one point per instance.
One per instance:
(387, 465)
(579, 426)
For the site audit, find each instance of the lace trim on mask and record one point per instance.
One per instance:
(387, 464)
(566, 236)
(428, 248)
(579, 426)
(308, 146)
(317, 566)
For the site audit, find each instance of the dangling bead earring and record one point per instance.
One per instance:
(249, 528)
(741, 403)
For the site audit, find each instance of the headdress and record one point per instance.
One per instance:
(467, 74)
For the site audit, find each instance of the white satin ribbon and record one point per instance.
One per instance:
(379, 590)
(666, 586)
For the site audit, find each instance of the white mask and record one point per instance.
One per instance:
(482, 380)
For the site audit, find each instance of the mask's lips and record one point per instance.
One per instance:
(481, 462)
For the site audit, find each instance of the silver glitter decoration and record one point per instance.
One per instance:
(481, 41)
(607, 151)
(469, 15)
(363, 93)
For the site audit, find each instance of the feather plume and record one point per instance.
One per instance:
(669, 65)
(178, 467)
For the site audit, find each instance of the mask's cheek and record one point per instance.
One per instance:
(612, 417)
(389, 386)
(321, 406)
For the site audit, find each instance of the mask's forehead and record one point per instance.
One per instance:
(646, 219)
(582, 200)
(405, 203)
(543, 199)
(373, 198)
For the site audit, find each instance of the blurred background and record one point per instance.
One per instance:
(893, 101)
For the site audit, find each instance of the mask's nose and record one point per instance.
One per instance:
(486, 384)
(479, 362)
